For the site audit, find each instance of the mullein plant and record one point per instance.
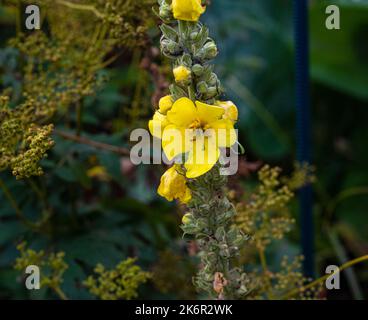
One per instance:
(193, 113)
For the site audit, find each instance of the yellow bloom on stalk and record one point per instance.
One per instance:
(157, 124)
(181, 73)
(173, 186)
(187, 10)
(231, 111)
(165, 104)
(198, 130)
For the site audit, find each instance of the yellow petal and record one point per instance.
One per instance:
(208, 113)
(173, 186)
(231, 111)
(157, 124)
(181, 74)
(165, 104)
(187, 10)
(182, 113)
(224, 132)
(173, 141)
(202, 158)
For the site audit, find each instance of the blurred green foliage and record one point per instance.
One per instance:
(256, 62)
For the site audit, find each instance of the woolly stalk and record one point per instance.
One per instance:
(210, 215)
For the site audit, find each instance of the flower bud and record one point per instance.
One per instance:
(182, 74)
(187, 10)
(165, 12)
(193, 35)
(187, 218)
(202, 87)
(197, 69)
(165, 104)
(170, 47)
(212, 92)
(213, 80)
(173, 47)
(210, 50)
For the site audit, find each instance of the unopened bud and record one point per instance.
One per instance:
(165, 12)
(210, 50)
(202, 87)
(212, 92)
(213, 80)
(187, 218)
(182, 74)
(194, 35)
(197, 69)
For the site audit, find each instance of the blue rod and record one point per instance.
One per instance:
(303, 123)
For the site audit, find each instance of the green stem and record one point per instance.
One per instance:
(342, 256)
(15, 206)
(79, 118)
(60, 293)
(322, 279)
(83, 7)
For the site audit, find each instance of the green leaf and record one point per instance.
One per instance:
(169, 32)
(339, 57)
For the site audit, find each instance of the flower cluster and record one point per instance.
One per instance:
(59, 69)
(52, 266)
(119, 283)
(264, 215)
(194, 126)
(23, 159)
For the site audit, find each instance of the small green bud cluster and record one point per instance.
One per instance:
(126, 21)
(265, 216)
(53, 265)
(60, 69)
(209, 221)
(22, 158)
(190, 46)
(119, 283)
(38, 142)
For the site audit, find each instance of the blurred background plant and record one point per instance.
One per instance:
(75, 90)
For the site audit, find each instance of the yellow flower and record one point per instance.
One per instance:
(157, 124)
(173, 186)
(188, 10)
(187, 218)
(231, 111)
(165, 104)
(199, 131)
(181, 74)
